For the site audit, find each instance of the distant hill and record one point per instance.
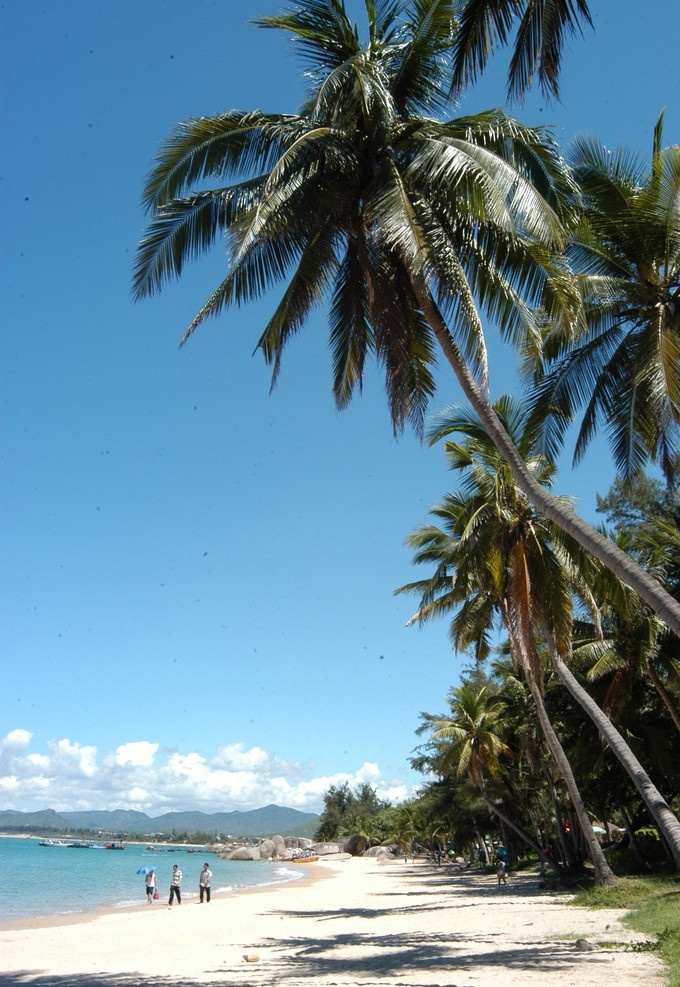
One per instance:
(267, 821)
(45, 819)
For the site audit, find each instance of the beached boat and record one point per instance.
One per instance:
(303, 860)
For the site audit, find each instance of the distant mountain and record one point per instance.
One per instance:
(268, 821)
(113, 821)
(45, 819)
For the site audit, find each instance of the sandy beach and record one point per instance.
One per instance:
(355, 921)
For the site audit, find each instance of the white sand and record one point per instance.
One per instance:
(360, 922)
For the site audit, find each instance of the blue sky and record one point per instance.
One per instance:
(197, 578)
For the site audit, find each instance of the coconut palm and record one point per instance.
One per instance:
(624, 369)
(471, 743)
(498, 553)
(412, 228)
(498, 550)
(628, 644)
(542, 28)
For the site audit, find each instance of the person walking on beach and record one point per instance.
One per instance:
(204, 882)
(175, 885)
(500, 872)
(151, 886)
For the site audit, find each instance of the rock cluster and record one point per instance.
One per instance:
(290, 848)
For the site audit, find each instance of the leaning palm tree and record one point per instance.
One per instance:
(624, 369)
(412, 228)
(542, 28)
(496, 550)
(497, 553)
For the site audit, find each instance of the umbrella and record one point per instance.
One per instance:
(145, 870)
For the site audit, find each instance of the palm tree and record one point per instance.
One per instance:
(625, 367)
(478, 554)
(470, 741)
(499, 550)
(628, 644)
(400, 220)
(542, 30)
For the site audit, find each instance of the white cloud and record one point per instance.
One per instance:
(16, 738)
(139, 753)
(143, 776)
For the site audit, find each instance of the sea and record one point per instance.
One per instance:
(40, 880)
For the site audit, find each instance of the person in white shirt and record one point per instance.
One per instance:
(174, 885)
(204, 882)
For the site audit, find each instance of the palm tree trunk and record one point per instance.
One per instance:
(665, 695)
(567, 855)
(483, 847)
(618, 562)
(667, 823)
(522, 649)
(603, 872)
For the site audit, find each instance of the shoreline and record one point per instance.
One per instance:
(57, 919)
(347, 923)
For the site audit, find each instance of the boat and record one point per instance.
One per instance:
(52, 843)
(114, 845)
(80, 845)
(303, 860)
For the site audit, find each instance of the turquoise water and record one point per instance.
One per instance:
(40, 880)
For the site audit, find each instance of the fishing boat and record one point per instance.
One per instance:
(114, 845)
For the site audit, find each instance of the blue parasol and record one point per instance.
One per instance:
(145, 870)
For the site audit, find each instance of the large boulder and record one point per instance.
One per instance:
(280, 850)
(298, 842)
(245, 853)
(324, 849)
(267, 849)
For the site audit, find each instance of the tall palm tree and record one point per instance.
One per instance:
(412, 227)
(498, 548)
(542, 28)
(478, 564)
(624, 369)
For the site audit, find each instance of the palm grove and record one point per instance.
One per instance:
(422, 233)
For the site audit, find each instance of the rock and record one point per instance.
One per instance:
(245, 853)
(279, 847)
(267, 849)
(323, 849)
(584, 946)
(298, 842)
(251, 957)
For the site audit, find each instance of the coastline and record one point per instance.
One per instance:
(346, 922)
(43, 882)
(58, 919)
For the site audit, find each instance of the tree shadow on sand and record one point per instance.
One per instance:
(348, 958)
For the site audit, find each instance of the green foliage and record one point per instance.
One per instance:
(628, 506)
(349, 813)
